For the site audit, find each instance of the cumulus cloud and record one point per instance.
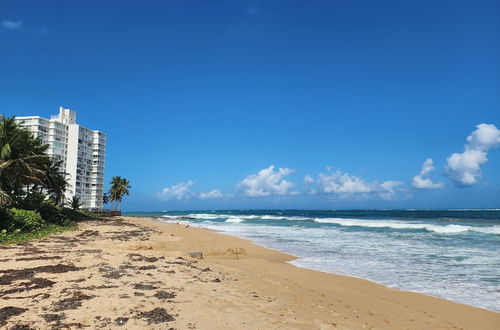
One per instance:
(215, 193)
(422, 180)
(345, 185)
(308, 179)
(386, 189)
(267, 182)
(178, 191)
(484, 138)
(12, 25)
(464, 169)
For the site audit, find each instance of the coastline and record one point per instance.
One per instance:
(238, 285)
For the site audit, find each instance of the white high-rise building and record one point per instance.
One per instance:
(81, 150)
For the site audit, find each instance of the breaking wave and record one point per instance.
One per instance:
(235, 220)
(394, 224)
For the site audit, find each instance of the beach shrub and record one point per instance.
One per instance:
(72, 214)
(25, 220)
(89, 214)
(51, 213)
(30, 202)
(4, 218)
(78, 215)
(5, 235)
(17, 236)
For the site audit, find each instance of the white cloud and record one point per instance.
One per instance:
(11, 25)
(465, 168)
(308, 179)
(267, 182)
(484, 138)
(422, 180)
(386, 189)
(215, 193)
(178, 191)
(345, 185)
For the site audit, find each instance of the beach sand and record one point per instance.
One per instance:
(133, 273)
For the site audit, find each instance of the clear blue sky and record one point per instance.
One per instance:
(215, 91)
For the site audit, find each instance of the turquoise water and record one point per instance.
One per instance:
(452, 254)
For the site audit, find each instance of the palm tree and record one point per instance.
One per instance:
(75, 203)
(22, 162)
(119, 188)
(55, 181)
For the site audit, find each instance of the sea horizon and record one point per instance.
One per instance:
(316, 209)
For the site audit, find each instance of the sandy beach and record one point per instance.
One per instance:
(135, 273)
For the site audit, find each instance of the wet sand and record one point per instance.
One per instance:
(132, 273)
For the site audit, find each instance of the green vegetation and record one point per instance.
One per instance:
(18, 236)
(19, 225)
(31, 188)
(75, 203)
(119, 188)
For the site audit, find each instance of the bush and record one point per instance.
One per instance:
(4, 218)
(89, 214)
(17, 236)
(79, 215)
(24, 220)
(4, 235)
(51, 213)
(30, 202)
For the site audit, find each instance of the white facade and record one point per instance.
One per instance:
(82, 150)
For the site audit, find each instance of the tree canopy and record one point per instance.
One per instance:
(119, 188)
(25, 168)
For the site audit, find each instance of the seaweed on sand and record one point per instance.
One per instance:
(165, 295)
(121, 320)
(21, 327)
(73, 302)
(139, 257)
(12, 275)
(53, 317)
(157, 315)
(140, 286)
(39, 258)
(10, 311)
(33, 284)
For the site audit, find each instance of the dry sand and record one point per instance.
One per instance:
(135, 273)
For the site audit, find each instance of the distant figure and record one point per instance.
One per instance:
(177, 223)
(187, 225)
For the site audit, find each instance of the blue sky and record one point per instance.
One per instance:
(202, 97)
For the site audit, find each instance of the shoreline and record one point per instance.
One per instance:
(297, 257)
(287, 258)
(136, 272)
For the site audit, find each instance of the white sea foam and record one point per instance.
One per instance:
(205, 216)
(243, 216)
(394, 224)
(249, 216)
(299, 218)
(235, 220)
(273, 217)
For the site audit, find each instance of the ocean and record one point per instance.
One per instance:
(452, 254)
